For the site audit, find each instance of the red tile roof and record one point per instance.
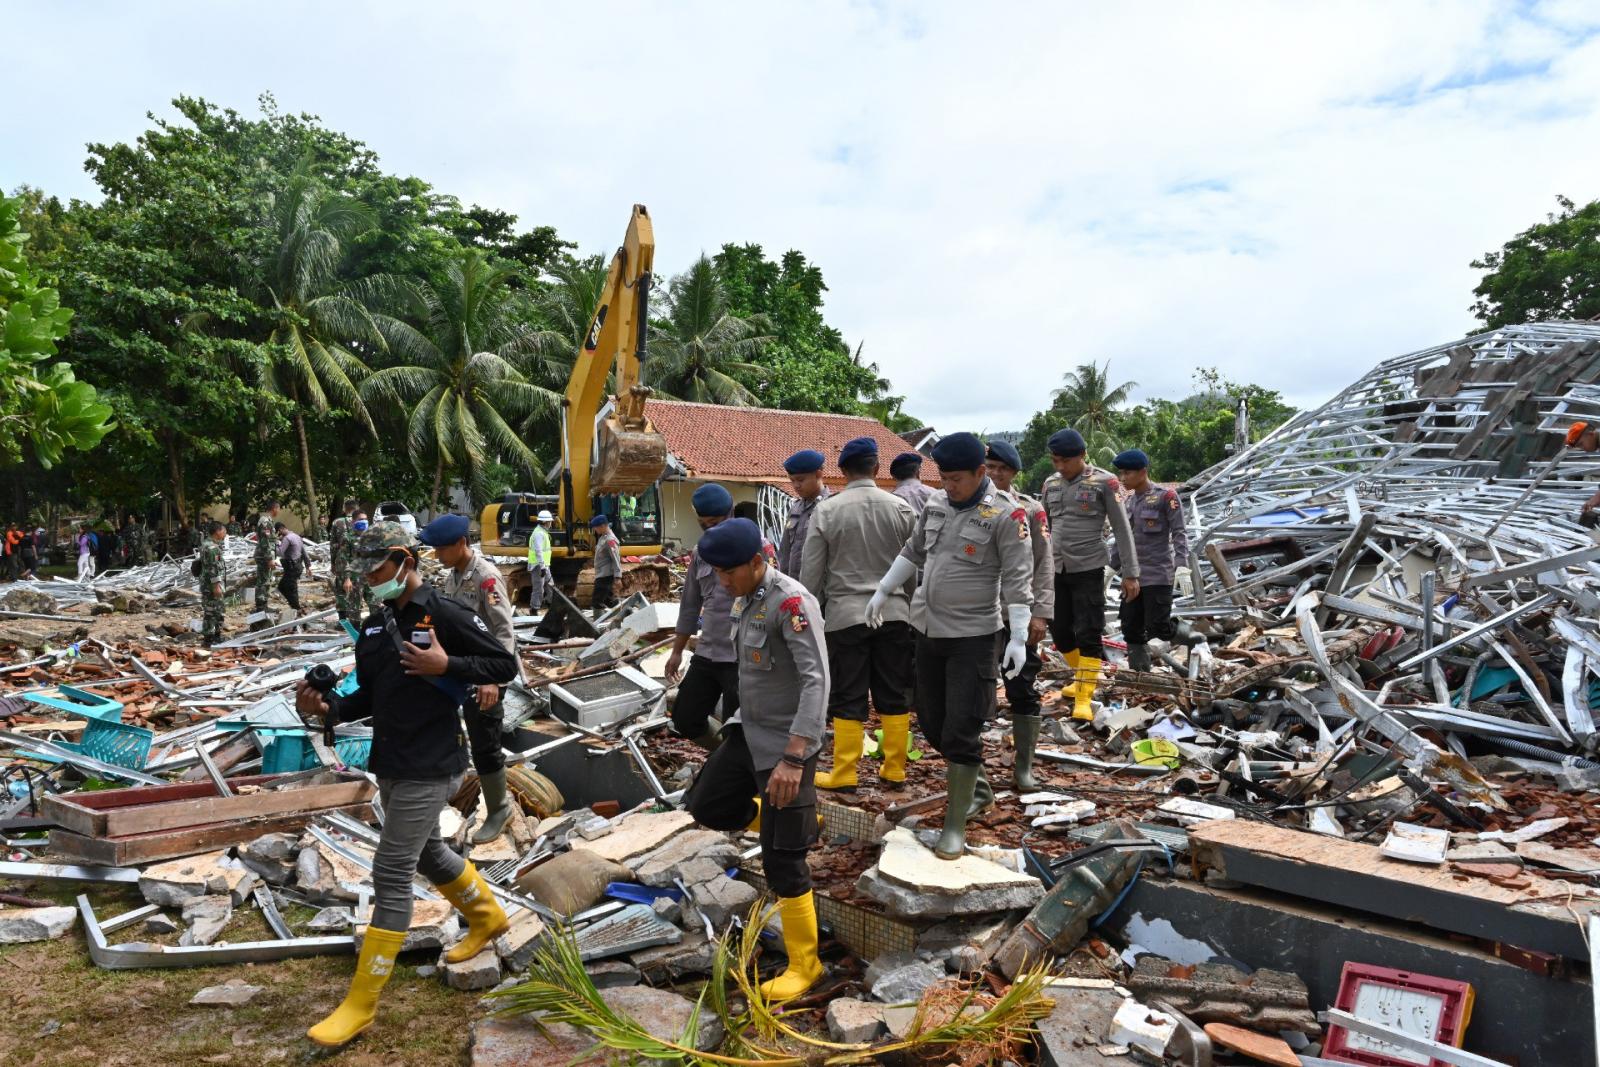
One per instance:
(739, 444)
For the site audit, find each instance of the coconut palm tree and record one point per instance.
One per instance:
(1088, 399)
(459, 382)
(314, 320)
(696, 353)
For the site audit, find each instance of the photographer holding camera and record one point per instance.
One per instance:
(417, 658)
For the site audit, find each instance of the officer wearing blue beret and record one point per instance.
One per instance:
(475, 583)
(607, 563)
(1156, 515)
(855, 536)
(906, 470)
(770, 747)
(805, 476)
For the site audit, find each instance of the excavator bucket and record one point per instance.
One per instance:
(631, 461)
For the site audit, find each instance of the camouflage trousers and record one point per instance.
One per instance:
(263, 585)
(211, 618)
(358, 602)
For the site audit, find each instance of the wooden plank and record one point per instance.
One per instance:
(1357, 876)
(98, 813)
(181, 813)
(189, 841)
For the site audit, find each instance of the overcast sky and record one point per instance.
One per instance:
(995, 193)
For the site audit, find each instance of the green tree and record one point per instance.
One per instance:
(314, 321)
(458, 385)
(702, 349)
(1551, 270)
(44, 409)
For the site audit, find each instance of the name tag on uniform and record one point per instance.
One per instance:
(422, 638)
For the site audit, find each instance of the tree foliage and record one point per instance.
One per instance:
(1551, 270)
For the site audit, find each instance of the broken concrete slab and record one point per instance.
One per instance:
(476, 972)
(160, 924)
(1221, 993)
(433, 926)
(22, 925)
(517, 945)
(272, 856)
(664, 1014)
(637, 834)
(1070, 1034)
(668, 909)
(664, 865)
(523, 1042)
(664, 964)
(206, 917)
(905, 985)
(855, 1022)
(970, 943)
(234, 993)
(173, 883)
(911, 882)
(324, 877)
(700, 870)
(608, 973)
(334, 920)
(722, 899)
(1138, 1026)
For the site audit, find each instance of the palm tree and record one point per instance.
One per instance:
(1088, 400)
(459, 382)
(314, 319)
(703, 345)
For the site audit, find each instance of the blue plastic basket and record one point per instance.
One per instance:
(287, 751)
(114, 743)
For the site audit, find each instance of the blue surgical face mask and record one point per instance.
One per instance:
(360, 524)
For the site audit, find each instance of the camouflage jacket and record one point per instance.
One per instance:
(211, 566)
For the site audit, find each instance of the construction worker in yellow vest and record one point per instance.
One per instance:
(539, 561)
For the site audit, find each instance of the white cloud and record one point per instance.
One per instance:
(994, 192)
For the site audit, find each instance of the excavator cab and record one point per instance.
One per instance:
(635, 517)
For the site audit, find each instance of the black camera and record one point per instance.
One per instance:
(322, 678)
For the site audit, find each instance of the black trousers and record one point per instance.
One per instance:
(704, 683)
(1020, 693)
(1080, 612)
(604, 593)
(723, 798)
(881, 662)
(955, 694)
(289, 584)
(483, 736)
(1147, 615)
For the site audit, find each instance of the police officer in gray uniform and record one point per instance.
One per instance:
(477, 585)
(770, 748)
(855, 535)
(705, 607)
(1004, 463)
(805, 477)
(607, 564)
(1080, 500)
(974, 550)
(1156, 515)
(906, 470)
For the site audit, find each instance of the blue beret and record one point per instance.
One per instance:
(1132, 460)
(906, 464)
(712, 500)
(958, 452)
(730, 543)
(860, 448)
(1006, 453)
(599, 520)
(1067, 443)
(808, 461)
(445, 530)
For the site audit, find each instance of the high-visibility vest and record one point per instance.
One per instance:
(539, 547)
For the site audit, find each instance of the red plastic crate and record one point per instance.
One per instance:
(1364, 987)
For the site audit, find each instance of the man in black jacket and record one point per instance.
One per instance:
(417, 657)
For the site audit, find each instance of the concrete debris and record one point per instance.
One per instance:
(911, 882)
(606, 974)
(234, 993)
(476, 972)
(637, 834)
(1140, 1027)
(855, 1022)
(206, 917)
(334, 920)
(668, 863)
(21, 925)
(664, 1014)
(1219, 992)
(906, 984)
(160, 924)
(722, 899)
(665, 964)
(517, 945)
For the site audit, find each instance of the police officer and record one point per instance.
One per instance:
(607, 564)
(973, 548)
(1079, 500)
(476, 584)
(1156, 516)
(266, 542)
(416, 659)
(212, 574)
(1004, 463)
(539, 561)
(706, 606)
(906, 470)
(805, 477)
(855, 535)
(770, 748)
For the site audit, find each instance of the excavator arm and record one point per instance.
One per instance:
(622, 452)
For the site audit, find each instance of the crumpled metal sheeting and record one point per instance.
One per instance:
(163, 576)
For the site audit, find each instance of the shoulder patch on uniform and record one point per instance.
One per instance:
(795, 608)
(1116, 486)
(986, 511)
(479, 624)
(1020, 517)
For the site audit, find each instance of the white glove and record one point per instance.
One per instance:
(900, 572)
(1016, 654)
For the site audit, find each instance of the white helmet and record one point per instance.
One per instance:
(545, 516)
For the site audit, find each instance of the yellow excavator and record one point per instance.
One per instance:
(612, 459)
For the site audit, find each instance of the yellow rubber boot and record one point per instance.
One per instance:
(848, 738)
(755, 823)
(799, 915)
(896, 744)
(360, 1006)
(486, 920)
(1088, 677)
(1072, 662)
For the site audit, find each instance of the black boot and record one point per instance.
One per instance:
(1139, 657)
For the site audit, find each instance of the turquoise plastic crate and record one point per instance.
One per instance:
(114, 743)
(288, 751)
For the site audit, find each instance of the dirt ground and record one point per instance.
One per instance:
(63, 1010)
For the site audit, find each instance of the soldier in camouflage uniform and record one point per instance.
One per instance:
(266, 542)
(138, 543)
(196, 537)
(234, 528)
(341, 559)
(211, 587)
(368, 602)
